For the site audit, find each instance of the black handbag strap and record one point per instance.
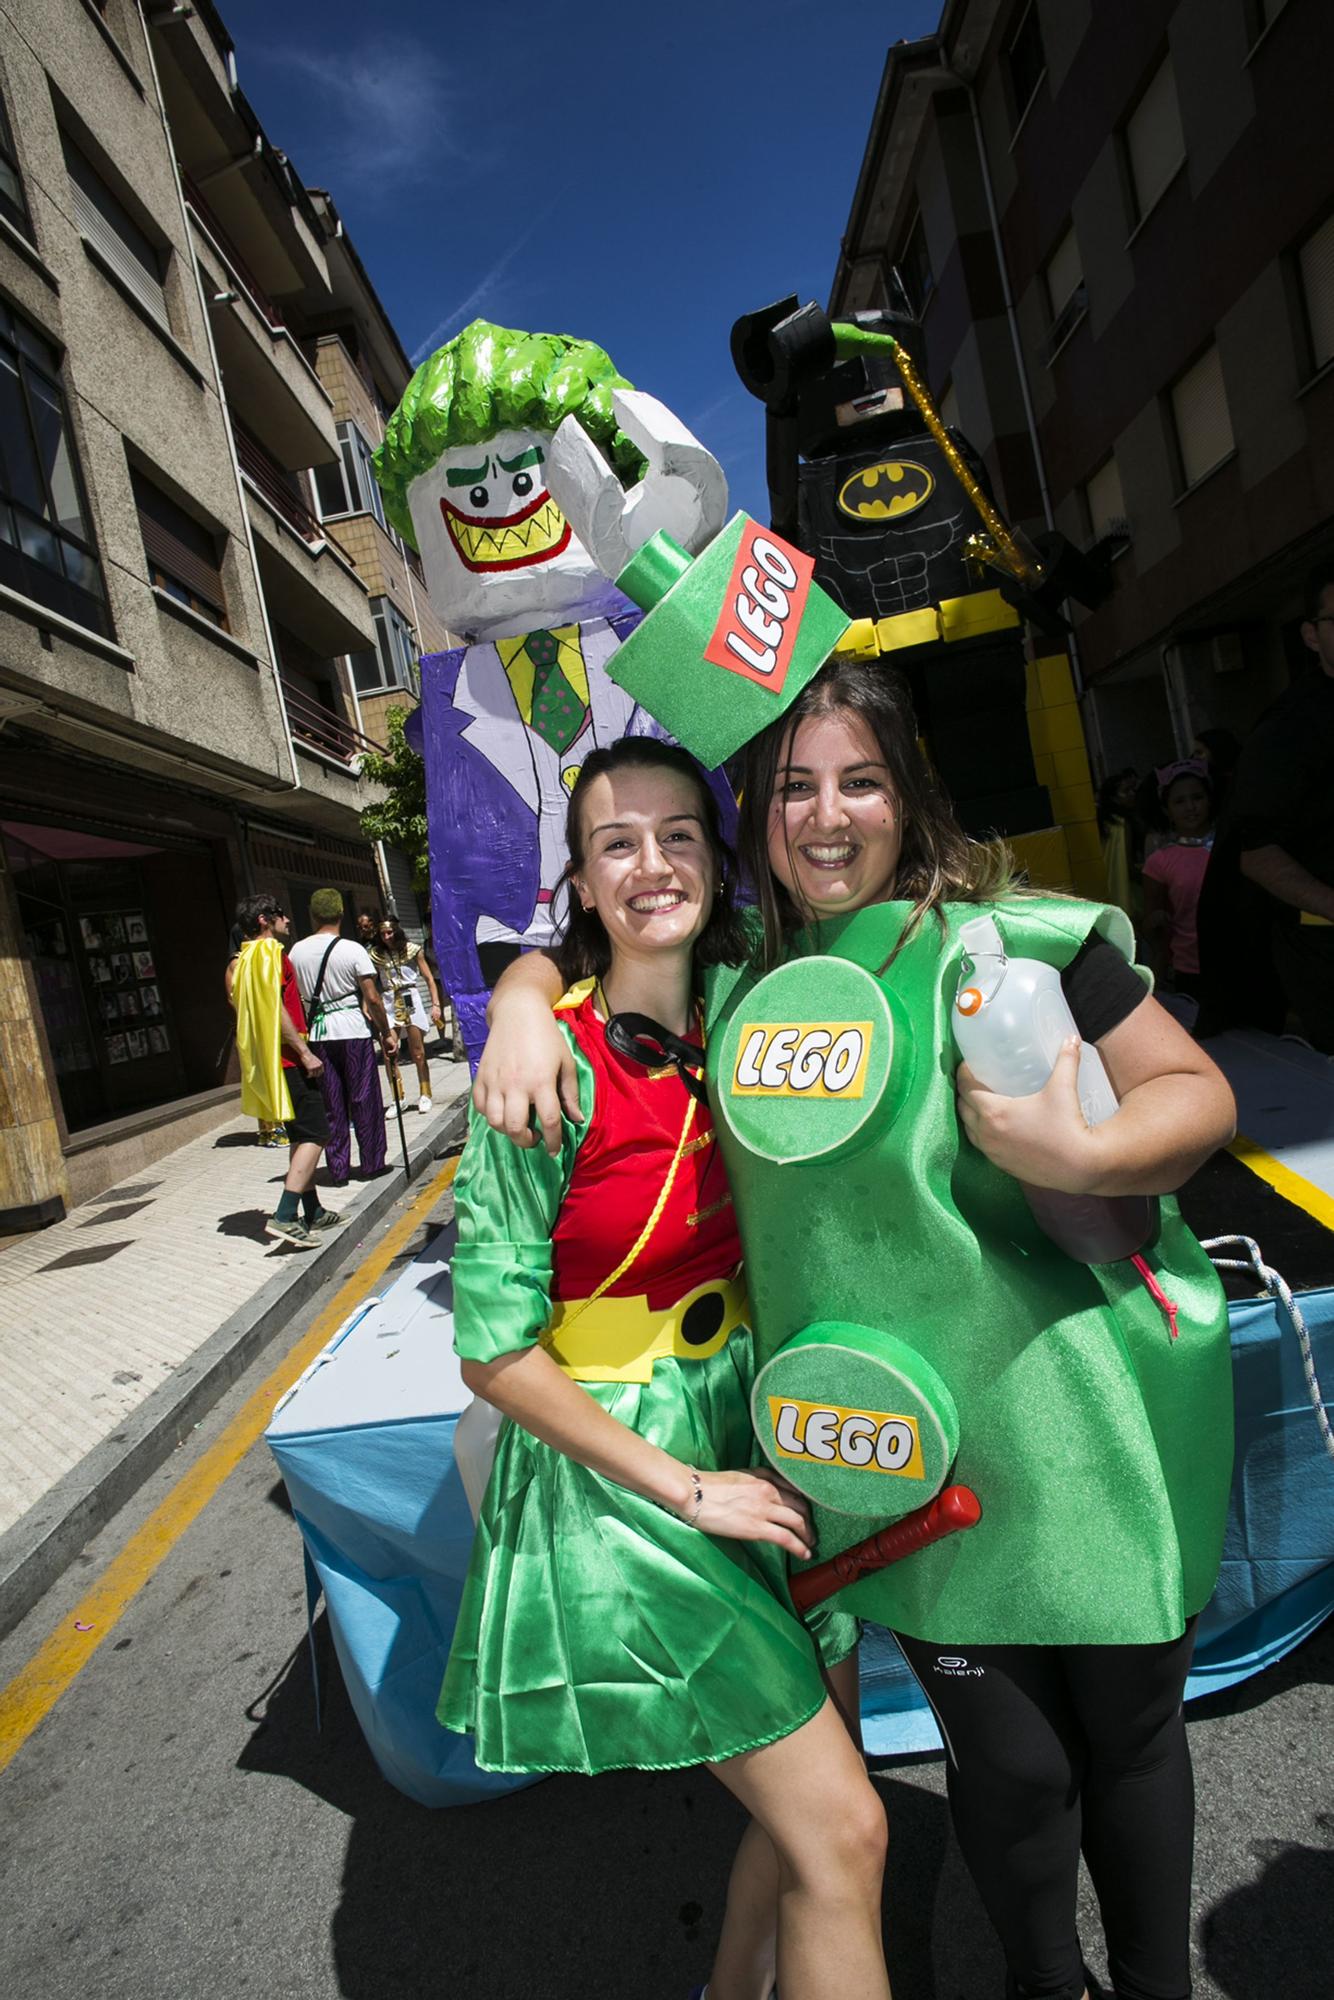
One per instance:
(318, 987)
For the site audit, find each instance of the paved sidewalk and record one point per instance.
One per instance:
(120, 1325)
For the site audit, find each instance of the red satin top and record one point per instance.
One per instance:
(619, 1173)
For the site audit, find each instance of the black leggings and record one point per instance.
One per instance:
(1054, 1748)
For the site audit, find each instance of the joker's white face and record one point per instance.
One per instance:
(499, 555)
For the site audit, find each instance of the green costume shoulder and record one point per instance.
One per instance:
(1099, 1448)
(506, 1200)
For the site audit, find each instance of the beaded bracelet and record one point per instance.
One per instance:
(692, 1518)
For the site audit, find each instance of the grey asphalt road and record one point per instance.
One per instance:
(178, 1829)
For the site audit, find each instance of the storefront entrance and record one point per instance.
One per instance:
(126, 943)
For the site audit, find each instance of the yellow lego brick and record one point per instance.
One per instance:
(980, 611)
(1039, 730)
(1056, 680)
(1045, 857)
(859, 642)
(1071, 803)
(1072, 766)
(909, 628)
(1083, 841)
(1044, 767)
(1065, 731)
(1032, 686)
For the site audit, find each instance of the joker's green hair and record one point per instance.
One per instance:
(489, 379)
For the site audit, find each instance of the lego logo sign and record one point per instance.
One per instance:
(802, 1059)
(762, 606)
(865, 1440)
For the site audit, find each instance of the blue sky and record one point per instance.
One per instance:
(635, 175)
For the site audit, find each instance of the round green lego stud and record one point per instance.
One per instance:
(856, 1419)
(814, 1064)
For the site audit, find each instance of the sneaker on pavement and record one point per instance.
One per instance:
(423, 1105)
(325, 1218)
(293, 1232)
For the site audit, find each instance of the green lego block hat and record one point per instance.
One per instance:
(731, 638)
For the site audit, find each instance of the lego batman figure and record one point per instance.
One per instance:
(860, 481)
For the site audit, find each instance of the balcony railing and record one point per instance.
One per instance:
(319, 727)
(227, 247)
(276, 486)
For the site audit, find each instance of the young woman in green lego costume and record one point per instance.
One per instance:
(1053, 1639)
(626, 1603)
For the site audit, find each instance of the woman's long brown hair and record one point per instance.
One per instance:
(939, 862)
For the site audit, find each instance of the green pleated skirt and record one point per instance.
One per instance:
(598, 1632)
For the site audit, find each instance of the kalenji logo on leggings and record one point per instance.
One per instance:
(956, 1668)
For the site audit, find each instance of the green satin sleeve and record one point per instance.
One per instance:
(506, 1200)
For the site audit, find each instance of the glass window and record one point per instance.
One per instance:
(1155, 147)
(46, 540)
(1026, 60)
(949, 408)
(1064, 273)
(181, 553)
(13, 206)
(1315, 264)
(393, 664)
(1200, 413)
(1106, 503)
(349, 486)
(118, 239)
(913, 267)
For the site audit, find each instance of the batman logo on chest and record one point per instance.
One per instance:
(885, 490)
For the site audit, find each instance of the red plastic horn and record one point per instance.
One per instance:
(958, 1507)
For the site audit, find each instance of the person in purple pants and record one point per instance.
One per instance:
(340, 992)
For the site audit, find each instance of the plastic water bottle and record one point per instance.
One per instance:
(1011, 1021)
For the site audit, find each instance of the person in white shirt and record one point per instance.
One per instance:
(341, 995)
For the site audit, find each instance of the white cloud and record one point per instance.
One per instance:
(487, 286)
(385, 111)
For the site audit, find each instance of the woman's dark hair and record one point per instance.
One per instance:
(584, 951)
(1222, 753)
(1109, 808)
(938, 862)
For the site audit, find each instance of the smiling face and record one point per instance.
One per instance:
(647, 868)
(835, 831)
(1189, 807)
(500, 557)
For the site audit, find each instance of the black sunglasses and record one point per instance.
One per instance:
(646, 1041)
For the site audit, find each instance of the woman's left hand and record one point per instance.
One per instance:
(1043, 1139)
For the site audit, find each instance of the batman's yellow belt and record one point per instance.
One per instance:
(618, 1340)
(967, 617)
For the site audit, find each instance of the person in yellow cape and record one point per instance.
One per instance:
(279, 1072)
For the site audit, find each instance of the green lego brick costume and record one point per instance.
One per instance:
(1099, 1448)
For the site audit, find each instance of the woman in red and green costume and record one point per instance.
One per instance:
(1053, 1639)
(626, 1603)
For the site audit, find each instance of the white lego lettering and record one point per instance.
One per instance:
(773, 560)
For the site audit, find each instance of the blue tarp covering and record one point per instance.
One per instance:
(365, 1444)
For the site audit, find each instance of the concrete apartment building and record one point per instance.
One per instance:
(1117, 224)
(202, 614)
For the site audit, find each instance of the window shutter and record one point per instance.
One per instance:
(1204, 427)
(1316, 261)
(1105, 500)
(177, 543)
(120, 241)
(1153, 140)
(1065, 273)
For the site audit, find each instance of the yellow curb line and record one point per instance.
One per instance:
(36, 1689)
(1285, 1182)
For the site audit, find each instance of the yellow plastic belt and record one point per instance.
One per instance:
(953, 618)
(618, 1340)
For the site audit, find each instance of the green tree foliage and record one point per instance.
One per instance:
(400, 818)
